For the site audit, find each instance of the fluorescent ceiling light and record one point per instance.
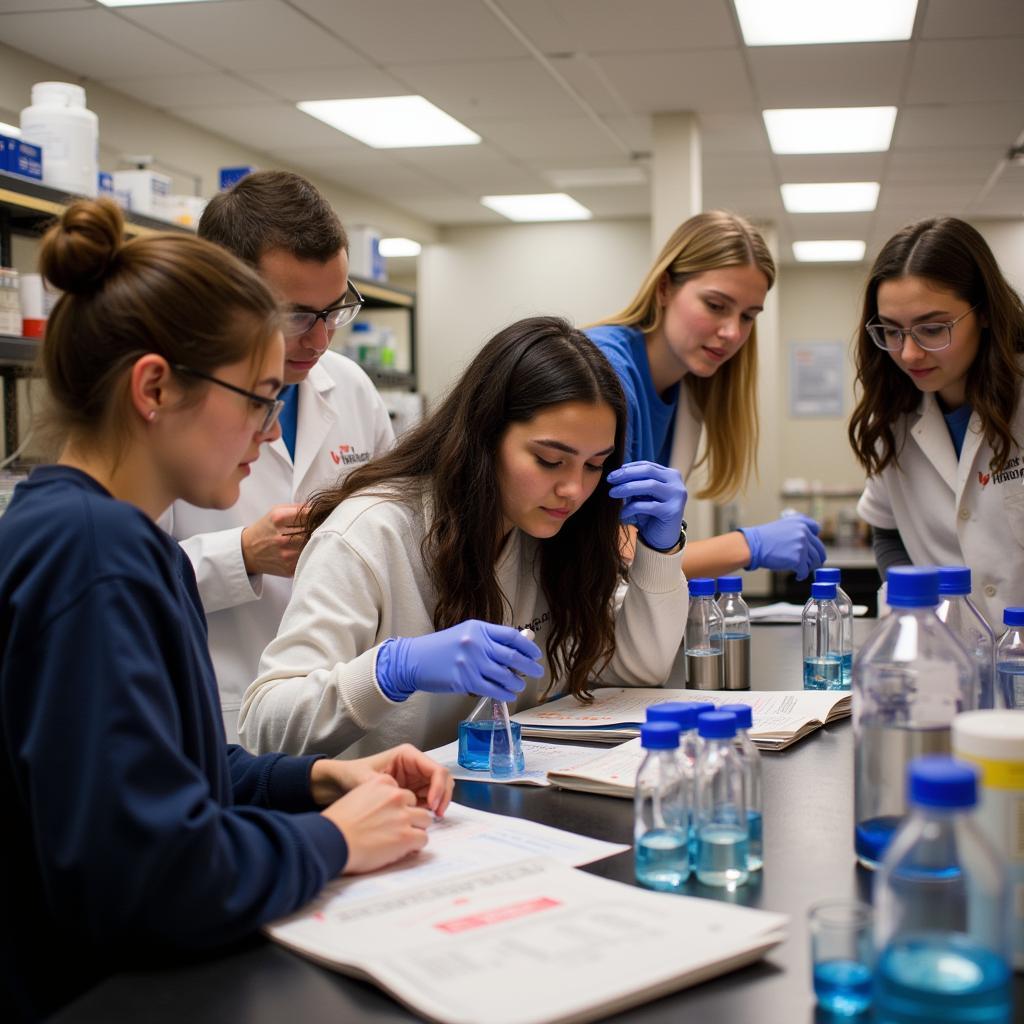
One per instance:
(832, 250)
(546, 206)
(598, 177)
(392, 122)
(10, 130)
(399, 247)
(830, 129)
(147, 3)
(796, 22)
(831, 197)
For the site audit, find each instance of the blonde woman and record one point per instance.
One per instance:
(685, 351)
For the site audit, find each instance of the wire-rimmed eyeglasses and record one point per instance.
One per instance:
(272, 406)
(300, 321)
(930, 337)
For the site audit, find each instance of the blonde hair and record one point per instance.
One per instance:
(727, 400)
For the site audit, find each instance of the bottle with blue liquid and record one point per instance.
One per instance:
(683, 714)
(661, 813)
(735, 633)
(845, 606)
(750, 758)
(942, 921)
(823, 639)
(722, 827)
(910, 679)
(704, 628)
(968, 625)
(1010, 660)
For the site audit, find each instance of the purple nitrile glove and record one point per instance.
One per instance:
(653, 499)
(787, 543)
(472, 657)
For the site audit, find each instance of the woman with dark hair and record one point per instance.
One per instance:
(938, 428)
(496, 514)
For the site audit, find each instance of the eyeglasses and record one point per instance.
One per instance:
(930, 337)
(296, 323)
(272, 406)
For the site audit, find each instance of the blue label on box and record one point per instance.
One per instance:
(231, 176)
(19, 157)
(105, 183)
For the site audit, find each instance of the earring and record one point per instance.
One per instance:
(152, 415)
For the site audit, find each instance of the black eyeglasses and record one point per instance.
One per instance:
(272, 406)
(930, 337)
(300, 322)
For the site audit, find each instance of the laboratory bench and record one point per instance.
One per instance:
(808, 853)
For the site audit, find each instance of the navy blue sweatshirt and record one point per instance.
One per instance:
(133, 832)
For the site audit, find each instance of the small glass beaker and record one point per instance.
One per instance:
(842, 955)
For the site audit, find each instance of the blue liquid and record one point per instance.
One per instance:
(872, 837)
(847, 660)
(722, 855)
(755, 858)
(1010, 680)
(823, 673)
(663, 859)
(842, 986)
(941, 979)
(475, 744)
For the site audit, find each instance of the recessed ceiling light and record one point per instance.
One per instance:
(392, 122)
(796, 22)
(832, 250)
(10, 130)
(831, 197)
(546, 206)
(830, 129)
(399, 247)
(147, 3)
(598, 177)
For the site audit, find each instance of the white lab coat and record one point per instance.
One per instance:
(953, 512)
(342, 423)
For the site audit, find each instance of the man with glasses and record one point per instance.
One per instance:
(332, 420)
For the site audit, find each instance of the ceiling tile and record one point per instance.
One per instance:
(42, 6)
(831, 225)
(954, 19)
(476, 170)
(453, 211)
(967, 71)
(326, 83)
(386, 179)
(832, 167)
(942, 166)
(626, 201)
(164, 91)
(733, 133)
(942, 126)
(926, 199)
(552, 138)
(751, 169)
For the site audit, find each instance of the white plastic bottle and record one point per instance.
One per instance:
(59, 121)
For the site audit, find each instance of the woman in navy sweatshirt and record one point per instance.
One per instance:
(138, 834)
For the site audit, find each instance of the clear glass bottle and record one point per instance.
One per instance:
(910, 678)
(942, 924)
(845, 606)
(750, 757)
(735, 633)
(968, 625)
(822, 627)
(1010, 660)
(661, 818)
(703, 638)
(684, 715)
(722, 832)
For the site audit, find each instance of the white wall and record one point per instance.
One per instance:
(1006, 237)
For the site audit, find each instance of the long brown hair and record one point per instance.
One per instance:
(953, 255)
(728, 399)
(527, 367)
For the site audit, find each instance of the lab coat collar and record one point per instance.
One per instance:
(315, 420)
(932, 437)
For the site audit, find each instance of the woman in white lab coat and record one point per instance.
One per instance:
(939, 424)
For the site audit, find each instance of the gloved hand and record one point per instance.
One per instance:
(787, 543)
(471, 657)
(653, 499)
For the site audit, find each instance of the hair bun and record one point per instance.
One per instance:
(78, 250)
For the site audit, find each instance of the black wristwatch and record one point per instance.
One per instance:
(680, 544)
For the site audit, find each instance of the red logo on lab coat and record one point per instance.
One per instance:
(983, 478)
(347, 455)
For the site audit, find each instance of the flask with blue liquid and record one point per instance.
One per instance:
(942, 922)
(661, 813)
(968, 625)
(823, 639)
(750, 758)
(722, 828)
(845, 606)
(704, 628)
(1010, 660)
(735, 633)
(910, 679)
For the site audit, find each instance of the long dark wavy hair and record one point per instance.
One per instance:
(531, 365)
(953, 255)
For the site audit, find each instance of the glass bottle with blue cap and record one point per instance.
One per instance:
(750, 758)
(968, 625)
(703, 638)
(1009, 659)
(845, 606)
(684, 715)
(661, 816)
(822, 627)
(735, 633)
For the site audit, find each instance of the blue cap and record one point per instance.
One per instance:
(679, 712)
(823, 591)
(730, 584)
(939, 781)
(702, 588)
(827, 576)
(744, 714)
(954, 579)
(717, 725)
(912, 586)
(1013, 616)
(659, 735)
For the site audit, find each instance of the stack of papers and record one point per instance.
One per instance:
(784, 612)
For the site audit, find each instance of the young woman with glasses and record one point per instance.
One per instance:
(135, 834)
(500, 512)
(685, 349)
(939, 424)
